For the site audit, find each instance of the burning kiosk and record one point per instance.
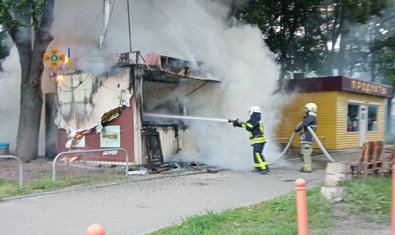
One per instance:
(108, 110)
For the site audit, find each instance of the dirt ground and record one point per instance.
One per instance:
(357, 224)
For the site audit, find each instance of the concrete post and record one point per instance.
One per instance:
(301, 207)
(95, 229)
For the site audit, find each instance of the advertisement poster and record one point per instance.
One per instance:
(110, 136)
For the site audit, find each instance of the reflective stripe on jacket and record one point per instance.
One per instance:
(255, 129)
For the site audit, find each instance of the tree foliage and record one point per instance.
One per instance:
(289, 31)
(382, 47)
(386, 60)
(314, 36)
(341, 17)
(4, 48)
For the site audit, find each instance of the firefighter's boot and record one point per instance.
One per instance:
(265, 168)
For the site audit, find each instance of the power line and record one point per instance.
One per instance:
(169, 19)
(91, 26)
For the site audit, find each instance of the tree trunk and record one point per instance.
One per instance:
(31, 60)
(29, 120)
(341, 60)
(374, 35)
(343, 43)
(334, 34)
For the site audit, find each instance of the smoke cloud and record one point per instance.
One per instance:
(9, 99)
(234, 53)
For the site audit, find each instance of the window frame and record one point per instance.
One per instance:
(357, 103)
(377, 111)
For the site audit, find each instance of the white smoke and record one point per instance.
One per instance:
(10, 80)
(195, 31)
(200, 30)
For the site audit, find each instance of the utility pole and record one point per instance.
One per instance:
(130, 32)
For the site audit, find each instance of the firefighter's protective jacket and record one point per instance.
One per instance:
(309, 120)
(255, 128)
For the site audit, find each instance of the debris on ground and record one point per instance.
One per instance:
(212, 170)
(142, 171)
(171, 166)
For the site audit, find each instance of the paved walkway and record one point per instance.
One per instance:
(143, 206)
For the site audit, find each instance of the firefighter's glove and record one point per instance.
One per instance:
(236, 123)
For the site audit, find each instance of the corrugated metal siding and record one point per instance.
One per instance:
(346, 139)
(168, 141)
(186, 142)
(294, 112)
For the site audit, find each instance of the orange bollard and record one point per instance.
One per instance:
(301, 207)
(95, 229)
(393, 201)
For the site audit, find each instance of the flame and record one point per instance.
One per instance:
(63, 159)
(73, 159)
(59, 78)
(78, 135)
(69, 159)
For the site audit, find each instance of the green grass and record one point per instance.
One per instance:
(276, 216)
(370, 198)
(10, 188)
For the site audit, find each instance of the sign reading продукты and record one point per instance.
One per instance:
(367, 87)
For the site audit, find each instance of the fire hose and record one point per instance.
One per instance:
(291, 139)
(285, 149)
(315, 138)
(320, 144)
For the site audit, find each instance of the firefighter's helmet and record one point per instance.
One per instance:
(311, 107)
(254, 109)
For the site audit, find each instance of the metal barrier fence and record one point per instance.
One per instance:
(87, 151)
(20, 168)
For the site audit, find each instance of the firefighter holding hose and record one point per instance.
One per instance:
(255, 127)
(306, 138)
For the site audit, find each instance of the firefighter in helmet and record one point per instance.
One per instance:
(306, 138)
(255, 127)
